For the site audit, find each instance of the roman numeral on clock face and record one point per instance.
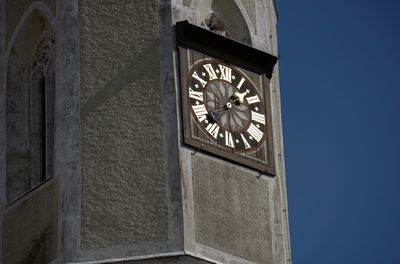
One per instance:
(253, 99)
(229, 139)
(196, 76)
(211, 73)
(226, 73)
(255, 132)
(213, 129)
(240, 83)
(260, 118)
(200, 111)
(246, 144)
(195, 95)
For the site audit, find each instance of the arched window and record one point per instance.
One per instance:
(230, 15)
(30, 105)
(224, 17)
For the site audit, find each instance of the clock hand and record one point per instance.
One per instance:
(237, 98)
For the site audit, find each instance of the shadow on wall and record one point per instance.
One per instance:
(40, 248)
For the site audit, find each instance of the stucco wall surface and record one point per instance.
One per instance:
(231, 210)
(124, 192)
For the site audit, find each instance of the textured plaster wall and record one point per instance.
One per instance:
(30, 227)
(231, 209)
(124, 191)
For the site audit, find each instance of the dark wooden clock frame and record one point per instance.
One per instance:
(190, 40)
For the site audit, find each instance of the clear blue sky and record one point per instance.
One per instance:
(340, 86)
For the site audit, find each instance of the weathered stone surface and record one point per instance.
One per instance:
(187, 2)
(250, 6)
(234, 23)
(67, 130)
(124, 192)
(30, 228)
(231, 210)
(16, 8)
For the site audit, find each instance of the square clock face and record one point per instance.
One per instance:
(226, 110)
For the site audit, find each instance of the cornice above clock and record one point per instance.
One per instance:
(207, 42)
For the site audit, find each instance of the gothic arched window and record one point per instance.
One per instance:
(30, 106)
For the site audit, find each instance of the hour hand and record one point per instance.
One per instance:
(237, 98)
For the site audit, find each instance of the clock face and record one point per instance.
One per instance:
(226, 110)
(226, 105)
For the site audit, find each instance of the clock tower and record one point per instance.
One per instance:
(141, 132)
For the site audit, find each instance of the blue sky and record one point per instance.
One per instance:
(340, 86)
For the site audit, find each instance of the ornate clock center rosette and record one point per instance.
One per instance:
(229, 115)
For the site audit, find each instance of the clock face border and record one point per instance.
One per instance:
(261, 159)
(237, 75)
